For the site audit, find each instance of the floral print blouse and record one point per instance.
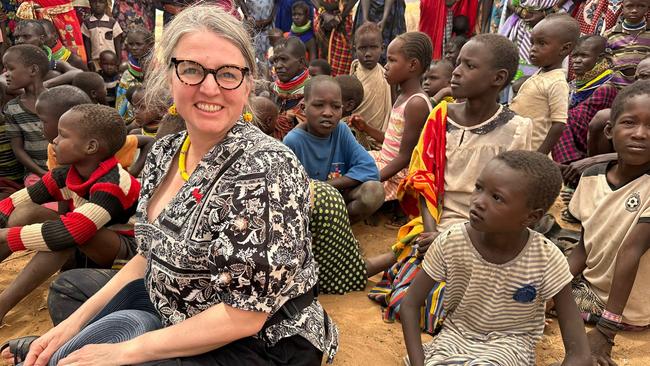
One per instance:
(237, 232)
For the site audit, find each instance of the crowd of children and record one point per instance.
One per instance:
(466, 141)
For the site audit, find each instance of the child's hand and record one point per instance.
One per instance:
(357, 122)
(423, 242)
(442, 94)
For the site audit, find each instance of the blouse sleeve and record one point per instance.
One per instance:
(261, 257)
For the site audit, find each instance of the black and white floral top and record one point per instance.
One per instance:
(237, 232)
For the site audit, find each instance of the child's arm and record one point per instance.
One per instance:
(311, 49)
(578, 257)
(144, 144)
(409, 314)
(89, 51)
(68, 73)
(18, 146)
(576, 347)
(415, 115)
(388, 5)
(358, 122)
(552, 137)
(360, 166)
(117, 43)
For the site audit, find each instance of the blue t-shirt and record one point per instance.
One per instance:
(340, 153)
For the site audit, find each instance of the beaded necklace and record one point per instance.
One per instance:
(182, 159)
(634, 27)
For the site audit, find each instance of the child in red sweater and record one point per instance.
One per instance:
(100, 195)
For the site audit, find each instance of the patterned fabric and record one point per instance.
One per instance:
(288, 96)
(132, 12)
(376, 105)
(391, 145)
(394, 283)
(123, 106)
(10, 168)
(426, 175)
(21, 122)
(236, 233)
(433, 19)
(519, 288)
(394, 25)
(627, 51)
(341, 268)
(598, 16)
(102, 33)
(261, 10)
(572, 145)
(339, 50)
(106, 199)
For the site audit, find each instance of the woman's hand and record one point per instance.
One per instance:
(601, 349)
(44, 347)
(95, 355)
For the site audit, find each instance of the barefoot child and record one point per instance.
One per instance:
(376, 105)
(544, 97)
(102, 197)
(437, 81)
(26, 67)
(456, 143)
(612, 202)
(495, 263)
(328, 151)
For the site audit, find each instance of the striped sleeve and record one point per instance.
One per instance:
(434, 264)
(556, 273)
(107, 201)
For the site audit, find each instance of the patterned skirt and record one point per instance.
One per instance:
(341, 268)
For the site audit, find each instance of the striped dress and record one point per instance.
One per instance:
(495, 311)
(628, 50)
(391, 145)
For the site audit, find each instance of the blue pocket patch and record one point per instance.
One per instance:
(525, 294)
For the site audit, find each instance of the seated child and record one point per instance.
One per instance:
(544, 97)
(496, 262)
(26, 67)
(266, 114)
(53, 103)
(591, 91)
(109, 71)
(376, 105)
(328, 151)
(291, 69)
(145, 121)
(612, 202)
(302, 28)
(319, 66)
(437, 82)
(455, 145)
(139, 42)
(92, 84)
(101, 195)
(100, 32)
(629, 41)
(11, 171)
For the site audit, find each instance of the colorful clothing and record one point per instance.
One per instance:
(125, 156)
(288, 96)
(10, 168)
(376, 105)
(586, 100)
(433, 19)
(394, 25)
(283, 18)
(131, 77)
(62, 14)
(392, 142)
(111, 87)
(102, 33)
(131, 12)
(627, 49)
(236, 233)
(21, 122)
(106, 199)
(261, 10)
(598, 16)
(341, 267)
(339, 42)
(519, 288)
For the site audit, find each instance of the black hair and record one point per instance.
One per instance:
(31, 55)
(417, 45)
(169, 125)
(460, 24)
(503, 51)
(368, 28)
(138, 29)
(601, 42)
(351, 88)
(263, 107)
(543, 176)
(320, 79)
(300, 5)
(63, 97)
(568, 28)
(52, 29)
(38, 26)
(88, 81)
(110, 52)
(293, 45)
(639, 87)
(102, 123)
(130, 92)
(449, 67)
(323, 64)
(459, 41)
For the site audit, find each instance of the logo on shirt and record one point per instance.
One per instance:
(633, 202)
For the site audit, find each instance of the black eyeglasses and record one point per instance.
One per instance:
(191, 73)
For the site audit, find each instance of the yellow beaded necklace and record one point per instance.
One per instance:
(181, 159)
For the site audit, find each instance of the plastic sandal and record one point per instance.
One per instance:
(19, 347)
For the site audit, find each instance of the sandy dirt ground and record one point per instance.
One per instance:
(365, 338)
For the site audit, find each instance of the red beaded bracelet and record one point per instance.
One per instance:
(612, 317)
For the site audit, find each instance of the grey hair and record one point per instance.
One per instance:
(196, 18)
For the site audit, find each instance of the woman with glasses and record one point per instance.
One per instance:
(224, 273)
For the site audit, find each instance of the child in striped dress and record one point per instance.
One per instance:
(499, 274)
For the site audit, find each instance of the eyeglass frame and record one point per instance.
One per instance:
(206, 71)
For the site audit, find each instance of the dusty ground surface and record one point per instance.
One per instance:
(365, 338)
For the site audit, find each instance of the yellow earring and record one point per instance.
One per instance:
(172, 110)
(248, 116)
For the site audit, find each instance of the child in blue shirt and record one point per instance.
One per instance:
(329, 151)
